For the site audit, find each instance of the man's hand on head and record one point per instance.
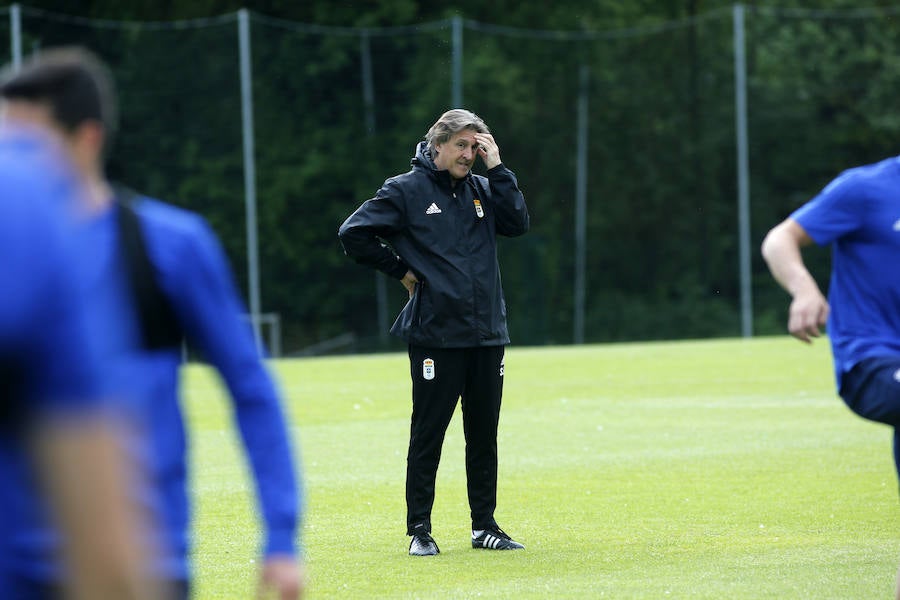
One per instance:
(488, 150)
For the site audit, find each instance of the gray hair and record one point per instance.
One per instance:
(451, 123)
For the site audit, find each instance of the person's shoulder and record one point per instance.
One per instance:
(173, 233)
(407, 178)
(884, 170)
(163, 216)
(403, 184)
(857, 182)
(873, 173)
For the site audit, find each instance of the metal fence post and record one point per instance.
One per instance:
(368, 90)
(581, 204)
(743, 170)
(249, 171)
(15, 40)
(456, 84)
(365, 49)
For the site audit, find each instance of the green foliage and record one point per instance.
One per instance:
(662, 256)
(715, 469)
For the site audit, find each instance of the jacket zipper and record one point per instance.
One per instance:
(475, 321)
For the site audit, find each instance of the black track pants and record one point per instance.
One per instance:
(440, 376)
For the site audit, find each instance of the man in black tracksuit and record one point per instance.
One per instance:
(434, 228)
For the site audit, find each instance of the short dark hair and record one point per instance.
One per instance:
(72, 82)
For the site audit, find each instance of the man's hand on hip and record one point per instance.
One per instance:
(409, 281)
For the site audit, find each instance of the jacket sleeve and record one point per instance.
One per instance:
(362, 234)
(211, 312)
(510, 210)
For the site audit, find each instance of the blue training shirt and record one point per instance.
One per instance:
(193, 273)
(858, 214)
(42, 315)
(52, 359)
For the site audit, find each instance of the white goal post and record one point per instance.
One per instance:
(268, 327)
(270, 322)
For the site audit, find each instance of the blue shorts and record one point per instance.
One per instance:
(872, 389)
(16, 587)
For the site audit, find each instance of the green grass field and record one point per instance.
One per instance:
(709, 469)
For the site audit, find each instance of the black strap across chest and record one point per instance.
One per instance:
(157, 320)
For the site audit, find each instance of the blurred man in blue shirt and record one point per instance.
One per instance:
(54, 413)
(180, 286)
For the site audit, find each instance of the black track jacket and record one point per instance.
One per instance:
(447, 236)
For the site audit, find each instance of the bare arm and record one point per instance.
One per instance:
(89, 481)
(781, 250)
